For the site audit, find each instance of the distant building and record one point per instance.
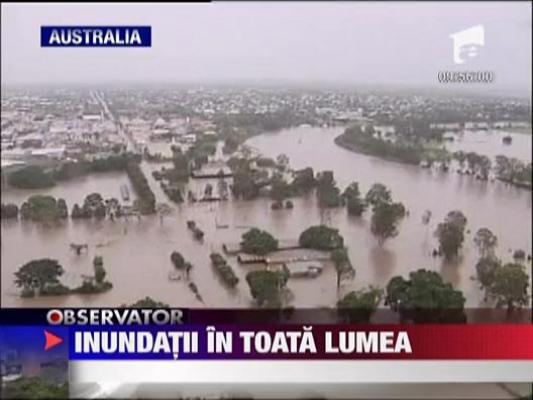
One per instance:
(92, 117)
(189, 138)
(34, 140)
(476, 126)
(55, 153)
(450, 126)
(160, 134)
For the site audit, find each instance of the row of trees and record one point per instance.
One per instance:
(114, 162)
(42, 208)
(224, 270)
(181, 264)
(145, 201)
(513, 171)
(410, 149)
(253, 123)
(45, 208)
(319, 237)
(41, 277)
(473, 163)
(93, 206)
(506, 169)
(30, 177)
(362, 140)
(421, 298)
(425, 298)
(35, 177)
(504, 284)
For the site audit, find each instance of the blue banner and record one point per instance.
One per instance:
(96, 36)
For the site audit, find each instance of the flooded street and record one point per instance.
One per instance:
(136, 253)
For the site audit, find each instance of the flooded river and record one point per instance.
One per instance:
(136, 253)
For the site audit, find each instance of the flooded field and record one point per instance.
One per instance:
(137, 252)
(490, 143)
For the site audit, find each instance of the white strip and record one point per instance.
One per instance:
(281, 372)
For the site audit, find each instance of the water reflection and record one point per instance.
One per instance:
(382, 261)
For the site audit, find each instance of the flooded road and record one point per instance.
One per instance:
(136, 253)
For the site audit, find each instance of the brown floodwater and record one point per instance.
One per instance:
(137, 252)
(490, 143)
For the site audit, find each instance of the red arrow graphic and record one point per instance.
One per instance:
(51, 340)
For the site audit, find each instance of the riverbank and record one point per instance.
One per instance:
(345, 141)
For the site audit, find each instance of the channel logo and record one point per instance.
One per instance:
(466, 43)
(115, 316)
(96, 36)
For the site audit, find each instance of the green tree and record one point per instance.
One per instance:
(450, 233)
(224, 270)
(358, 306)
(30, 177)
(343, 265)
(486, 241)
(280, 189)
(245, 184)
(486, 269)
(425, 298)
(385, 219)
(510, 286)
(40, 208)
(328, 193)
(377, 194)
(77, 212)
(38, 275)
(62, 208)
(460, 156)
(181, 167)
(145, 201)
(472, 159)
(484, 166)
(457, 217)
(304, 181)
(99, 271)
(177, 259)
(354, 203)
(321, 237)
(266, 286)
(147, 302)
(259, 242)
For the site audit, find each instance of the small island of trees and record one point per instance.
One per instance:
(41, 277)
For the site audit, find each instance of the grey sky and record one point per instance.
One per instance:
(374, 43)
